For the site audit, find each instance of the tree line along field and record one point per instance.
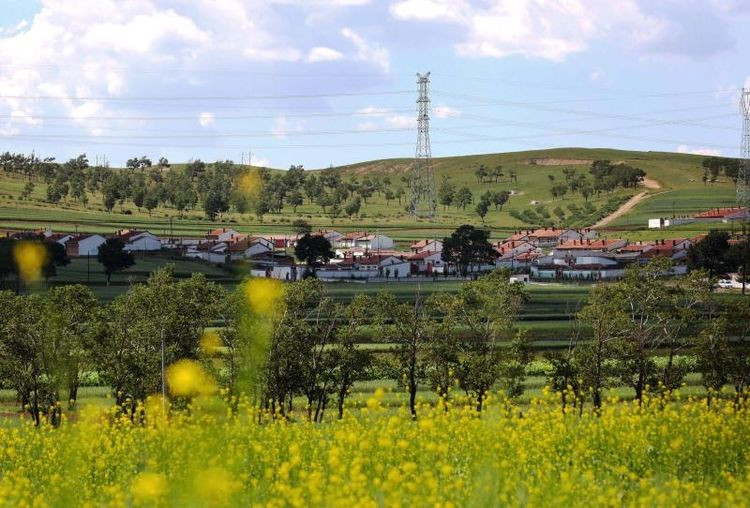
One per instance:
(549, 319)
(677, 176)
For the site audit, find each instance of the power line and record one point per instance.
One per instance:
(202, 98)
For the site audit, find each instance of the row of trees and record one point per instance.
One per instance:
(714, 166)
(304, 343)
(217, 187)
(629, 324)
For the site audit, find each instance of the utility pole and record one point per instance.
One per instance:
(423, 199)
(743, 179)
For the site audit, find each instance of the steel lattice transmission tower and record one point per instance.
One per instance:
(743, 179)
(423, 200)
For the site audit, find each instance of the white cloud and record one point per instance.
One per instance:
(429, 10)
(368, 51)
(206, 118)
(323, 54)
(283, 127)
(698, 150)
(555, 29)
(73, 48)
(323, 3)
(260, 162)
(447, 112)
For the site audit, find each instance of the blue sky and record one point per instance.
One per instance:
(319, 82)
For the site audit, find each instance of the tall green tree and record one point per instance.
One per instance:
(605, 314)
(113, 257)
(710, 253)
(314, 250)
(467, 246)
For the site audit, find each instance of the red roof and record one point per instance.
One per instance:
(548, 233)
(720, 213)
(423, 255)
(588, 244)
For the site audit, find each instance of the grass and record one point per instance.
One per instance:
(678, 174)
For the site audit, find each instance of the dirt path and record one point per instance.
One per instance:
(625, 208)
(629, 204)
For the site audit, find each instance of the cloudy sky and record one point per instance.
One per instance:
(319, 82)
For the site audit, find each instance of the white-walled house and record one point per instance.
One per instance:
(84, 245)
(249, 246)
(427, 262)
(139, 241)
(427, 245)
(212, 251)
(222, 234)
(366, 241)
(366, 267)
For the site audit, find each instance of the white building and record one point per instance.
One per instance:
(84, 245)
(366, 241)
(222, 234)
(427, 262)
(427, 245)
(139, 241)
(249, 246)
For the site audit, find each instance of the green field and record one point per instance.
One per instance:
(678, 177)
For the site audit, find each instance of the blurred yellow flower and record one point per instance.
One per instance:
(210, 342)
(250, 183)
(263, 295)
(215, 485)
(187, 378)
(148, 486)
(30, 258)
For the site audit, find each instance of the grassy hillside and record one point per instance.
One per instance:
(677, 176)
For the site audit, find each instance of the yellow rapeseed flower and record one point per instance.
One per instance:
(30, 258)
(250, 183)
(210, 342)
(263, 295)
(186, 378)
(148, 486)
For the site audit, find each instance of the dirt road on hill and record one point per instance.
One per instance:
(629, 204)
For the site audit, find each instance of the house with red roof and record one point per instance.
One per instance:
(429, 245)
(84, 245)
(139, 241)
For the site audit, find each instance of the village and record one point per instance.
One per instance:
(543, 254)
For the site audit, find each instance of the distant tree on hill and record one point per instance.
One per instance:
(113, 257)
(499, 198)
(295, 199)
(301, 226)
(28, 189)
(353, 207)
(446, 192)
(497, 173)
(463, 197)
(482, 208)
(481, 173)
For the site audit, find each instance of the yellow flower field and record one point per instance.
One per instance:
(676, 454)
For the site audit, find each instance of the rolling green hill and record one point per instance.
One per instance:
(674, 183)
